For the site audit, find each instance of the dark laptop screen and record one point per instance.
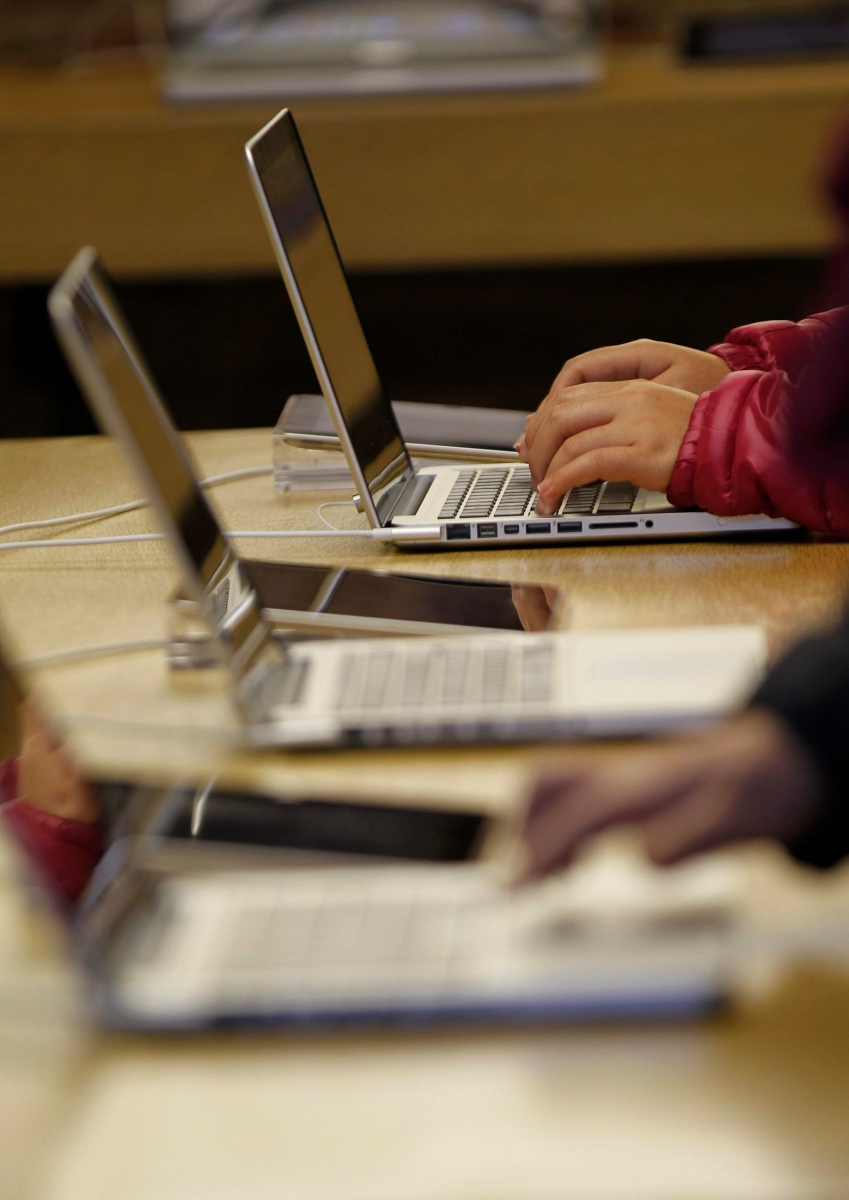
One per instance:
(324, 306)
(124, 398)
(145, 429)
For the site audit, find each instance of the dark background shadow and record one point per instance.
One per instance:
(227, 352)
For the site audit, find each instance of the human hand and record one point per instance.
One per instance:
(662, 362)
(47, 779)
(681, 367)
(749, 778)
(537, 606)
(630, 431)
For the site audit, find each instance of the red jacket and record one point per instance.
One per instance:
(64, 853)
(773, 437)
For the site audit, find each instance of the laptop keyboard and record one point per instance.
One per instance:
(507, 492)
(329, 934)
(347, 941)
(485, 676)
(338, 935)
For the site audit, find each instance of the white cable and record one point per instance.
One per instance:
(85, 516)
(332, 504)
(229, 476)
(116, 509)
(428, 533)
(98, 541)
(421, 533)
(59, 656)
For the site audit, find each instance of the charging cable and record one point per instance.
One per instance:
(416, 533)
(115, 510)
(419, 533)
(103, 649)
(332, 504)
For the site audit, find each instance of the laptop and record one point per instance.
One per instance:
(485, 687)
(472, 505)
(359, 47)
(216, 907)
(188, 935)
(294, 596)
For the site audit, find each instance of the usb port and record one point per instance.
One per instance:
(538, 527)
(488, 530)
(455, 532)
(511, 529)
(569, 526)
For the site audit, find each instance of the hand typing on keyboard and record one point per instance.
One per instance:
(628, 430)
(749, 778)
(508, 492)
(618, 413)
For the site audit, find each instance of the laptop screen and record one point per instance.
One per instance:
(318, 288)
(120, 390)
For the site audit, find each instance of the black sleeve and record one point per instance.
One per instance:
(809, 689)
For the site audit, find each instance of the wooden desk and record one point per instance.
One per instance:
(659, 161)
(749, 1105)
(55, 599)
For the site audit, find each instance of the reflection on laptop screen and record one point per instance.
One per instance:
(319, 291)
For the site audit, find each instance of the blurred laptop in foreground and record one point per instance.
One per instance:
(212, 906)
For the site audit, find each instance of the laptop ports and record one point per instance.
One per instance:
(489, 530)
(457, 532)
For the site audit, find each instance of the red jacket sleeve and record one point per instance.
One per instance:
(773, 437)
(779, 345)
(64, 853)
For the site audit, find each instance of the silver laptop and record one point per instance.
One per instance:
(212, 906)
(176, 940)
(498, 686)
(293, 596)
(473, 506)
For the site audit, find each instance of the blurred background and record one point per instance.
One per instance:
(510, 184)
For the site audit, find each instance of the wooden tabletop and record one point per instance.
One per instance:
(750, 1104)
(56, 599)
(659, 160)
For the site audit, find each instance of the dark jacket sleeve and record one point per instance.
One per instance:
(809, 690)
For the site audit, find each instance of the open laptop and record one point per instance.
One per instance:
(212, 906)
(293, 596)
(473, 506)
(485, 687)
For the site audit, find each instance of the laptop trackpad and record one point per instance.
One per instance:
(413, 496)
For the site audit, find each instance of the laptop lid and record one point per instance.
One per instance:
(315, 279)
(121, 392)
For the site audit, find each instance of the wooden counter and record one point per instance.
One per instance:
(659, 161)
(749, 1104)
